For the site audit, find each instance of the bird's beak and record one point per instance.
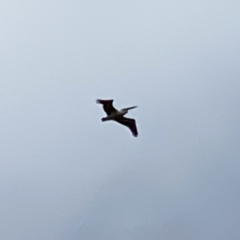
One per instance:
(131, 107)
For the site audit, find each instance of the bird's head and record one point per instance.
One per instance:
(125, 110)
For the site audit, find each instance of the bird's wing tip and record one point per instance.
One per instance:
(103, 101)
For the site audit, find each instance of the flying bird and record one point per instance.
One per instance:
(118, 116)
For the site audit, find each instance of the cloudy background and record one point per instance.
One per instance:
(65, 175)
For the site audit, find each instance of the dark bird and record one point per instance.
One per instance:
(118, 116)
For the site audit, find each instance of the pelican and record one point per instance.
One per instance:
(118, 116)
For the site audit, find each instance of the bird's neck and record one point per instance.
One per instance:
(123, 111)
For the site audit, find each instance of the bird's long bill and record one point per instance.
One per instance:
(131, 107)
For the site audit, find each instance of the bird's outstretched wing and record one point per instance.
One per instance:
(130, 123)
(107, 106)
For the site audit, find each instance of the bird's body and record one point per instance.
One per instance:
(118, 116)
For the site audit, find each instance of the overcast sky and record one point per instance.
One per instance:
(65, 175)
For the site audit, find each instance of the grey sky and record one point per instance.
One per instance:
(65, 175)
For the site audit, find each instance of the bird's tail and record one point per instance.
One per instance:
(104, 119)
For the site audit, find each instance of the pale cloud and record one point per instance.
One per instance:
(65, 174)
